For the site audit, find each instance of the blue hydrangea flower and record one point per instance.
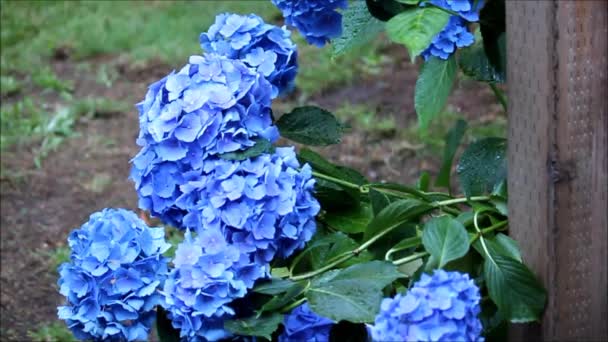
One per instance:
(211, 106)
(467, 9)
(317, 20)
(302, 324)
(209, 274)
(454, 35)
(264, 47)
(441, 307)
(112, 281)
(264, 205)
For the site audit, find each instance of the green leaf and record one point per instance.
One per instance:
(333, 197)
(279, 301)
(474, 63)
(500, 244)
(164, 329)
(433, 88)
(452, 141)
(482, 166)
(492, 21)
(322, 165)
(352, 294)
(423, 181)
(350, 221)
(395, 214)
(323, 249)
(416, 28)
(445, 239)
(385, 9)
(378, 200)
(261, 146)
(310, 125)
(409, 2)
(358, 28)
(252, 326)
(274, 287)
(514, 288)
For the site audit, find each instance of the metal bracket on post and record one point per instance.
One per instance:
(558, 160)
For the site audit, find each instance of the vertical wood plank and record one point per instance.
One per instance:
(558, 159)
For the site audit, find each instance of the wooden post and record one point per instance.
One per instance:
(558, 159)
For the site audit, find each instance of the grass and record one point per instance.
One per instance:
(366, 118)
(52, 332)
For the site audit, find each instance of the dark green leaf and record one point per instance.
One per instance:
(352, 221)
(323, 249)
(445, 239)
(322, 165)
(358, 28)
(352, 294)
(378, 201)
(164, 329)
(274, 287)
(263, 326)
(396, 214)
(433, 88)
(475, 64)
(482, 166)
(400, 189)
(385, 9)
(514, 288)
(279, 301)
(335, 198)
(452, 141)
(499, 245)
(310, 125)
(261, 146)
(492, 20)
(416, 27)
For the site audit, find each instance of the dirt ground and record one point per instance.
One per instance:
(89, 172)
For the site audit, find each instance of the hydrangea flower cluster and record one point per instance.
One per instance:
(211, 106)
(454, 35)
(441, 307)
(263, 205)
(318, 21)
(263, 47)
(209, 273)
(467, 9)
(302, 324)
(112, 281)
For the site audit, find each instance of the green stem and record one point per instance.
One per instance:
(461, 200)
(500, 95)
(293, 305)
(410, 258)
(322, 269)
(336, 180)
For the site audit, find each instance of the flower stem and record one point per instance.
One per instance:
(336, 180)
(500, 95)
(461, 200)
(410, 258)
(293, 305)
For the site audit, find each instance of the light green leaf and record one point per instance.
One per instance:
(482, 166)
(358, 28)
(416, 28)
(395, 214)
(352, 294)
(310, 125)
(433, 88)
(514, 288)
(445, 239)
(252, 326)
(409, 2)
(352, 221)
(452, 141)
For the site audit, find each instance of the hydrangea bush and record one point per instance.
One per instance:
(278, 244)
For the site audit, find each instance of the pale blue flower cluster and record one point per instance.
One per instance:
(209, 274)
(211, 106)
(302, 324)
(263, 47)
(317, 20)
(441, 307)
(113, 279)
(455, 34)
